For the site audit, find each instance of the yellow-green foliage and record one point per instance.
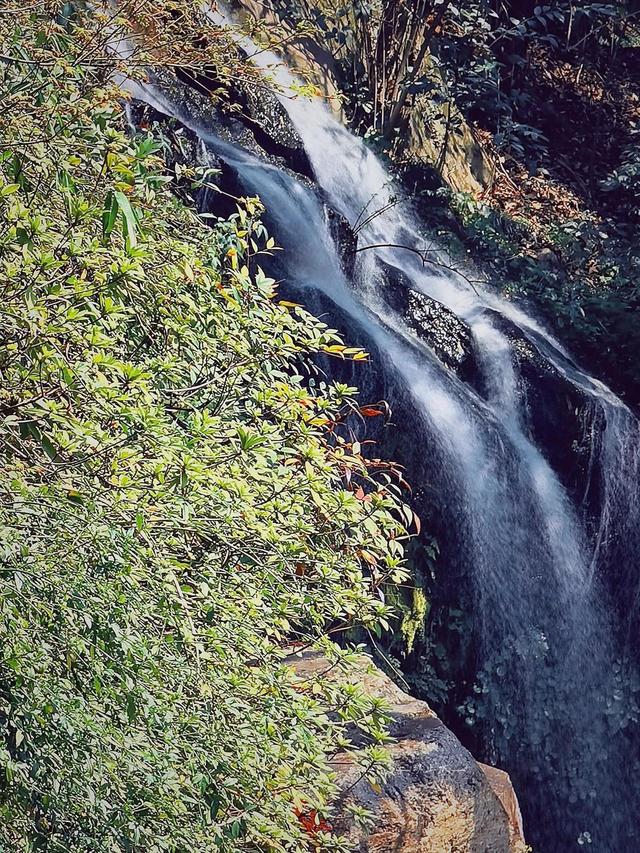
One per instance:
(414, 618)
(173, 511)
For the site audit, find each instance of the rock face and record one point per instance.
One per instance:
(266, 118)
(439, 135)
(257, 119)
(437, 799)
(559, 413)
(432, 322)
(346, 241)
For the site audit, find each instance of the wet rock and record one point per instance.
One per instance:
(444, 332)
(266, 118)
(251, 116)
(201, 118)
(256, 116)
(345, 239)
(557, 411)
(436, 798)
(434, 324)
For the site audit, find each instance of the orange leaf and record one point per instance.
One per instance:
(369, 558)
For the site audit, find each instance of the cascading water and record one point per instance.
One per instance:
(550, 649)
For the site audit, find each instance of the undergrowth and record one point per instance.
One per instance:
(180, 512)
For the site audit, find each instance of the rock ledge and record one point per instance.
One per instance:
(437, 798)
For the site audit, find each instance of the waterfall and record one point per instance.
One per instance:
(556, 687)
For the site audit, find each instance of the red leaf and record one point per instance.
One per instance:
(312, 822)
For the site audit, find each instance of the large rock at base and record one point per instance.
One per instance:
(503, 789)
(437, 798)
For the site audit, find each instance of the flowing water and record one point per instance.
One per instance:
(555, 688)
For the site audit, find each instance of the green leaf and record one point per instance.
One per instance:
(128, 217)
(109, 213)
(49, 448)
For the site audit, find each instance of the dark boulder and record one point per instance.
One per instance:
(257, 110)
(197, 135)
(267, 119)
(435, 324)
(345, 239)
(558, 410)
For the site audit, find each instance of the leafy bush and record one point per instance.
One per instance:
(177, 505)
(625, 179)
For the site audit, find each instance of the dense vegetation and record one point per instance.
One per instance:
(179, 499)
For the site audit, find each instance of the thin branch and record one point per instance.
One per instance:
(424, 255)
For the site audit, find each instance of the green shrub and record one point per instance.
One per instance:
(174, 510)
